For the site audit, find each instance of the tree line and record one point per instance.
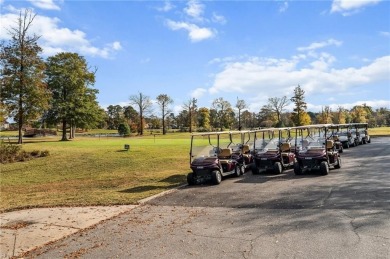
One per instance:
(58, 91)
(223, 115)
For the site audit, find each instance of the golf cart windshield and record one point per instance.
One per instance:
(264, 145)
(208, 145)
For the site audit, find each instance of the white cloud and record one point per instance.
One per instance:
(116, 45)
(194, 9)
(348, 7)
(318, 45)
(145, 60)
(375, 104)
(283, 7)
(167, 7)
(46, 4)
(385, 33)
(195, 33)
(198, 92)
(218, 18)
(259, 75)
(55, 39)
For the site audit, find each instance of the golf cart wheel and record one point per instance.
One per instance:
(216, 177)
(369, 140)
(237, 170)
(254, 169)
(190, 179)
(242, 169)
(324, 168)
(278, 168)
(338, 166)
(297, 169)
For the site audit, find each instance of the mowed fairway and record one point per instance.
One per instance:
(95, 171)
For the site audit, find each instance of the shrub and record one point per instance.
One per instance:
(35, 153)
(14, 153)
(124, 129)
(9, 153)
(45, 153)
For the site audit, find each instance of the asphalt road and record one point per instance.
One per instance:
(345, 214)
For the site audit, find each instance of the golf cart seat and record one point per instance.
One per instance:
(245, 149)
(225, 154)
(285, 147)
(330, 146)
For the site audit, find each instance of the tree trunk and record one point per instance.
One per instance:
(64, 138)
(239, 119)
(163, 122)
(141, 124)
(20, 122)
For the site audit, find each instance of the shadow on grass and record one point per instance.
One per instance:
(173, 180)
(147, 188)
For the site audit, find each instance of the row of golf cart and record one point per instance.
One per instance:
(215, 155)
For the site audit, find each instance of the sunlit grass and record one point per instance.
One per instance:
(92, 171)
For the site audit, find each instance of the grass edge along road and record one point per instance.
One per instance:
(98, 171)
(94, 171)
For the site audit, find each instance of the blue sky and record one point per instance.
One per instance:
(338, 51)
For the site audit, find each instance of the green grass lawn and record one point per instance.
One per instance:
(95, 171)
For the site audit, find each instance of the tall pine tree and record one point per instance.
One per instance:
(299, 115)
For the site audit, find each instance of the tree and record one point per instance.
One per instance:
(124, 129)
(359, 114)
(191, 106)
(72, 100)
(267, 116)
(132, 117)
(240, 105)
(182, 119)
(247, 119)
(115, 116)
(23, 90)
(163, 101)
(144, 105)
(325, 116)
(204, 118)
(89, 115)
(340, 115)
(298, 114)
(277, 105)
(222, 107)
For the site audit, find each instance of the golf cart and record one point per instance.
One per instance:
(344, 135)
(361, 130)
(241, 144)
(314, 151)
(335, 135)
(212, 158)
(272, 150)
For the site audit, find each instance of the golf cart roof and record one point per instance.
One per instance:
(315, 126)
